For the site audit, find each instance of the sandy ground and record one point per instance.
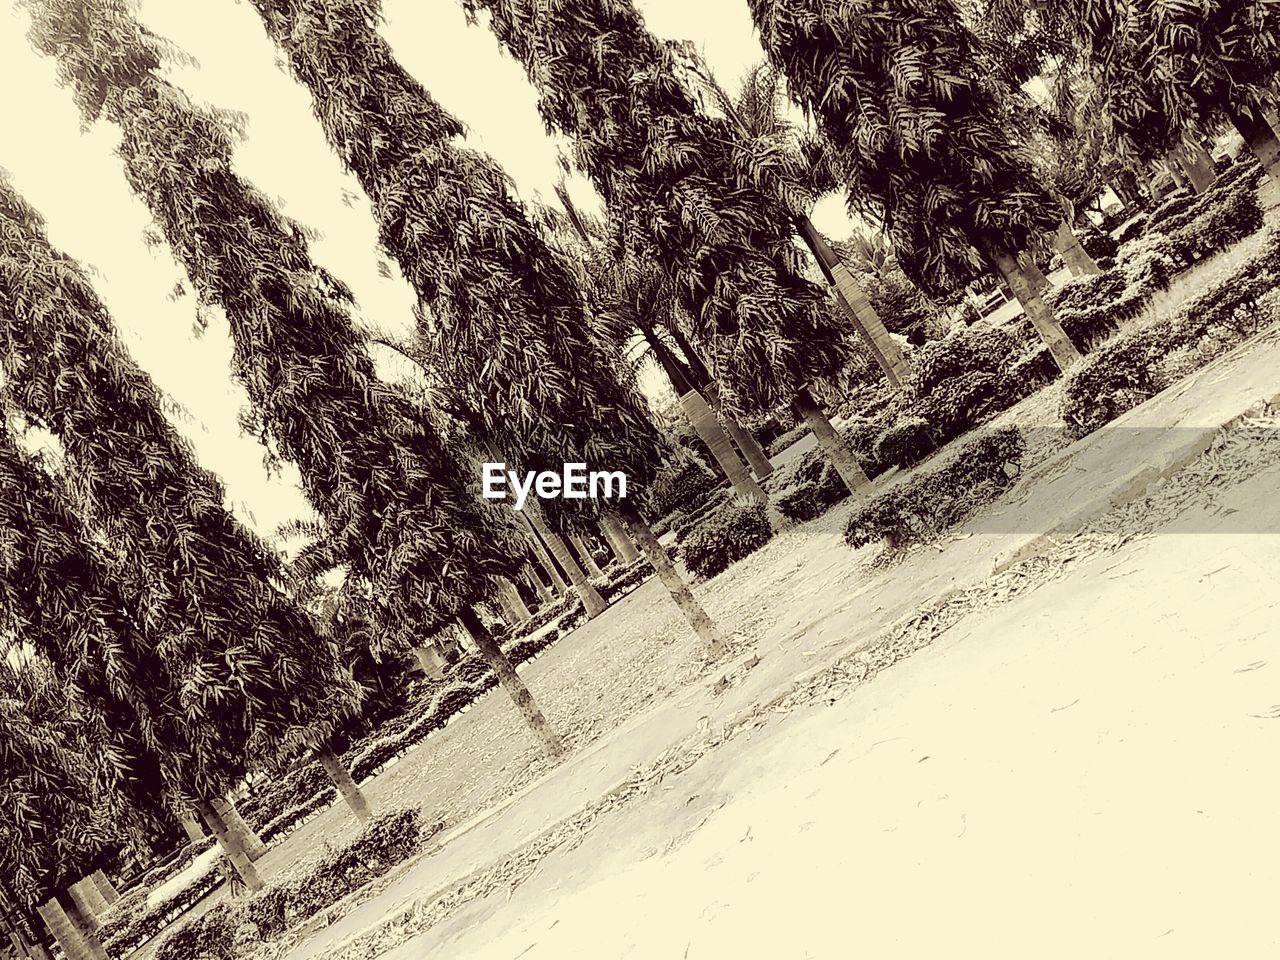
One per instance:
(1078, 772)
(795, 601)
(822, 599)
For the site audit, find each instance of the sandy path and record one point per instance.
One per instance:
(1081, 772)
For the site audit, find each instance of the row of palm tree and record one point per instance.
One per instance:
(178, 636)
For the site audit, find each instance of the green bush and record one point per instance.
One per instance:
(1114, 379)
(980, 347)
(812, 499)
(1101, 246)
(387, 840)
(928, 503)
(210, 937)
(724, 538)
(298, 787)
(1234, 216)
(787, 439)
(1126, 371)
(906, 443)
(680, 485)
(958, 404)
(1133, 229)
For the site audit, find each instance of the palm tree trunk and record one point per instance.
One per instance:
(68, 932)
(700, 378)
(519, 610)
(835, 447)
(584, 553)
(341, 777)
(592, 602)
(618, 538)
(1074, 256)
(1196, 165)
(191, 824)
(1038, 312)
(511, 683)
(558, 583)
(855, 305)
(249, 841)
(88, 899)
(703, 420)
(105, 887)
(430, 660)
(531, 577)
(656, 554)
(240, 861)
(756, 457)
(706, 425)
(1259, 136)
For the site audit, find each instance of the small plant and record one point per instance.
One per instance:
(906, 443)
(733, 532)
(927, 504)
(680, 485)
(811, 500)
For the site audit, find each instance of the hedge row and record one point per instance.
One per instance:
(726, 537)
(230, 928)
(1127, 371)
(928, 503)
(1091, 309)
(132, 922)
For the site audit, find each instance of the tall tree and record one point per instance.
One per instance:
(667, 170)
(54, 827)
(254, 677)
(1167, 67)
(922, 135)
(398, 511)
(60, 594)
(632, 299)
(776, 156)
(500, 308)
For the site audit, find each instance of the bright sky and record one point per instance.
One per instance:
(75, 180)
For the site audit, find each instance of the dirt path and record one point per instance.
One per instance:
(1078, 770)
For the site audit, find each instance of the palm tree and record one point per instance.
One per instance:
(1168, 68)
(501, 311)
(632, 298)
(922, 134)
(254, 677)
(666, 170)
(777, 157)
(398, 510)
(54, 825)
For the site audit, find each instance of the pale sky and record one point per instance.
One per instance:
(76, 182)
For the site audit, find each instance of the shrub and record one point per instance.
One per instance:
(1174, 204)
(680, 485)
(980, 347)
(1232, 216)
(387, 840)
(786, 439)
(959, 404)
(1115, 379)
(1101, 246)
(726, 537)
(210, 937)
(906, 443)
(928, 503)
(1127, 371)
(299, 785)
(1033, 371)
(810, 500)
(1134, 229)
(626, 579)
